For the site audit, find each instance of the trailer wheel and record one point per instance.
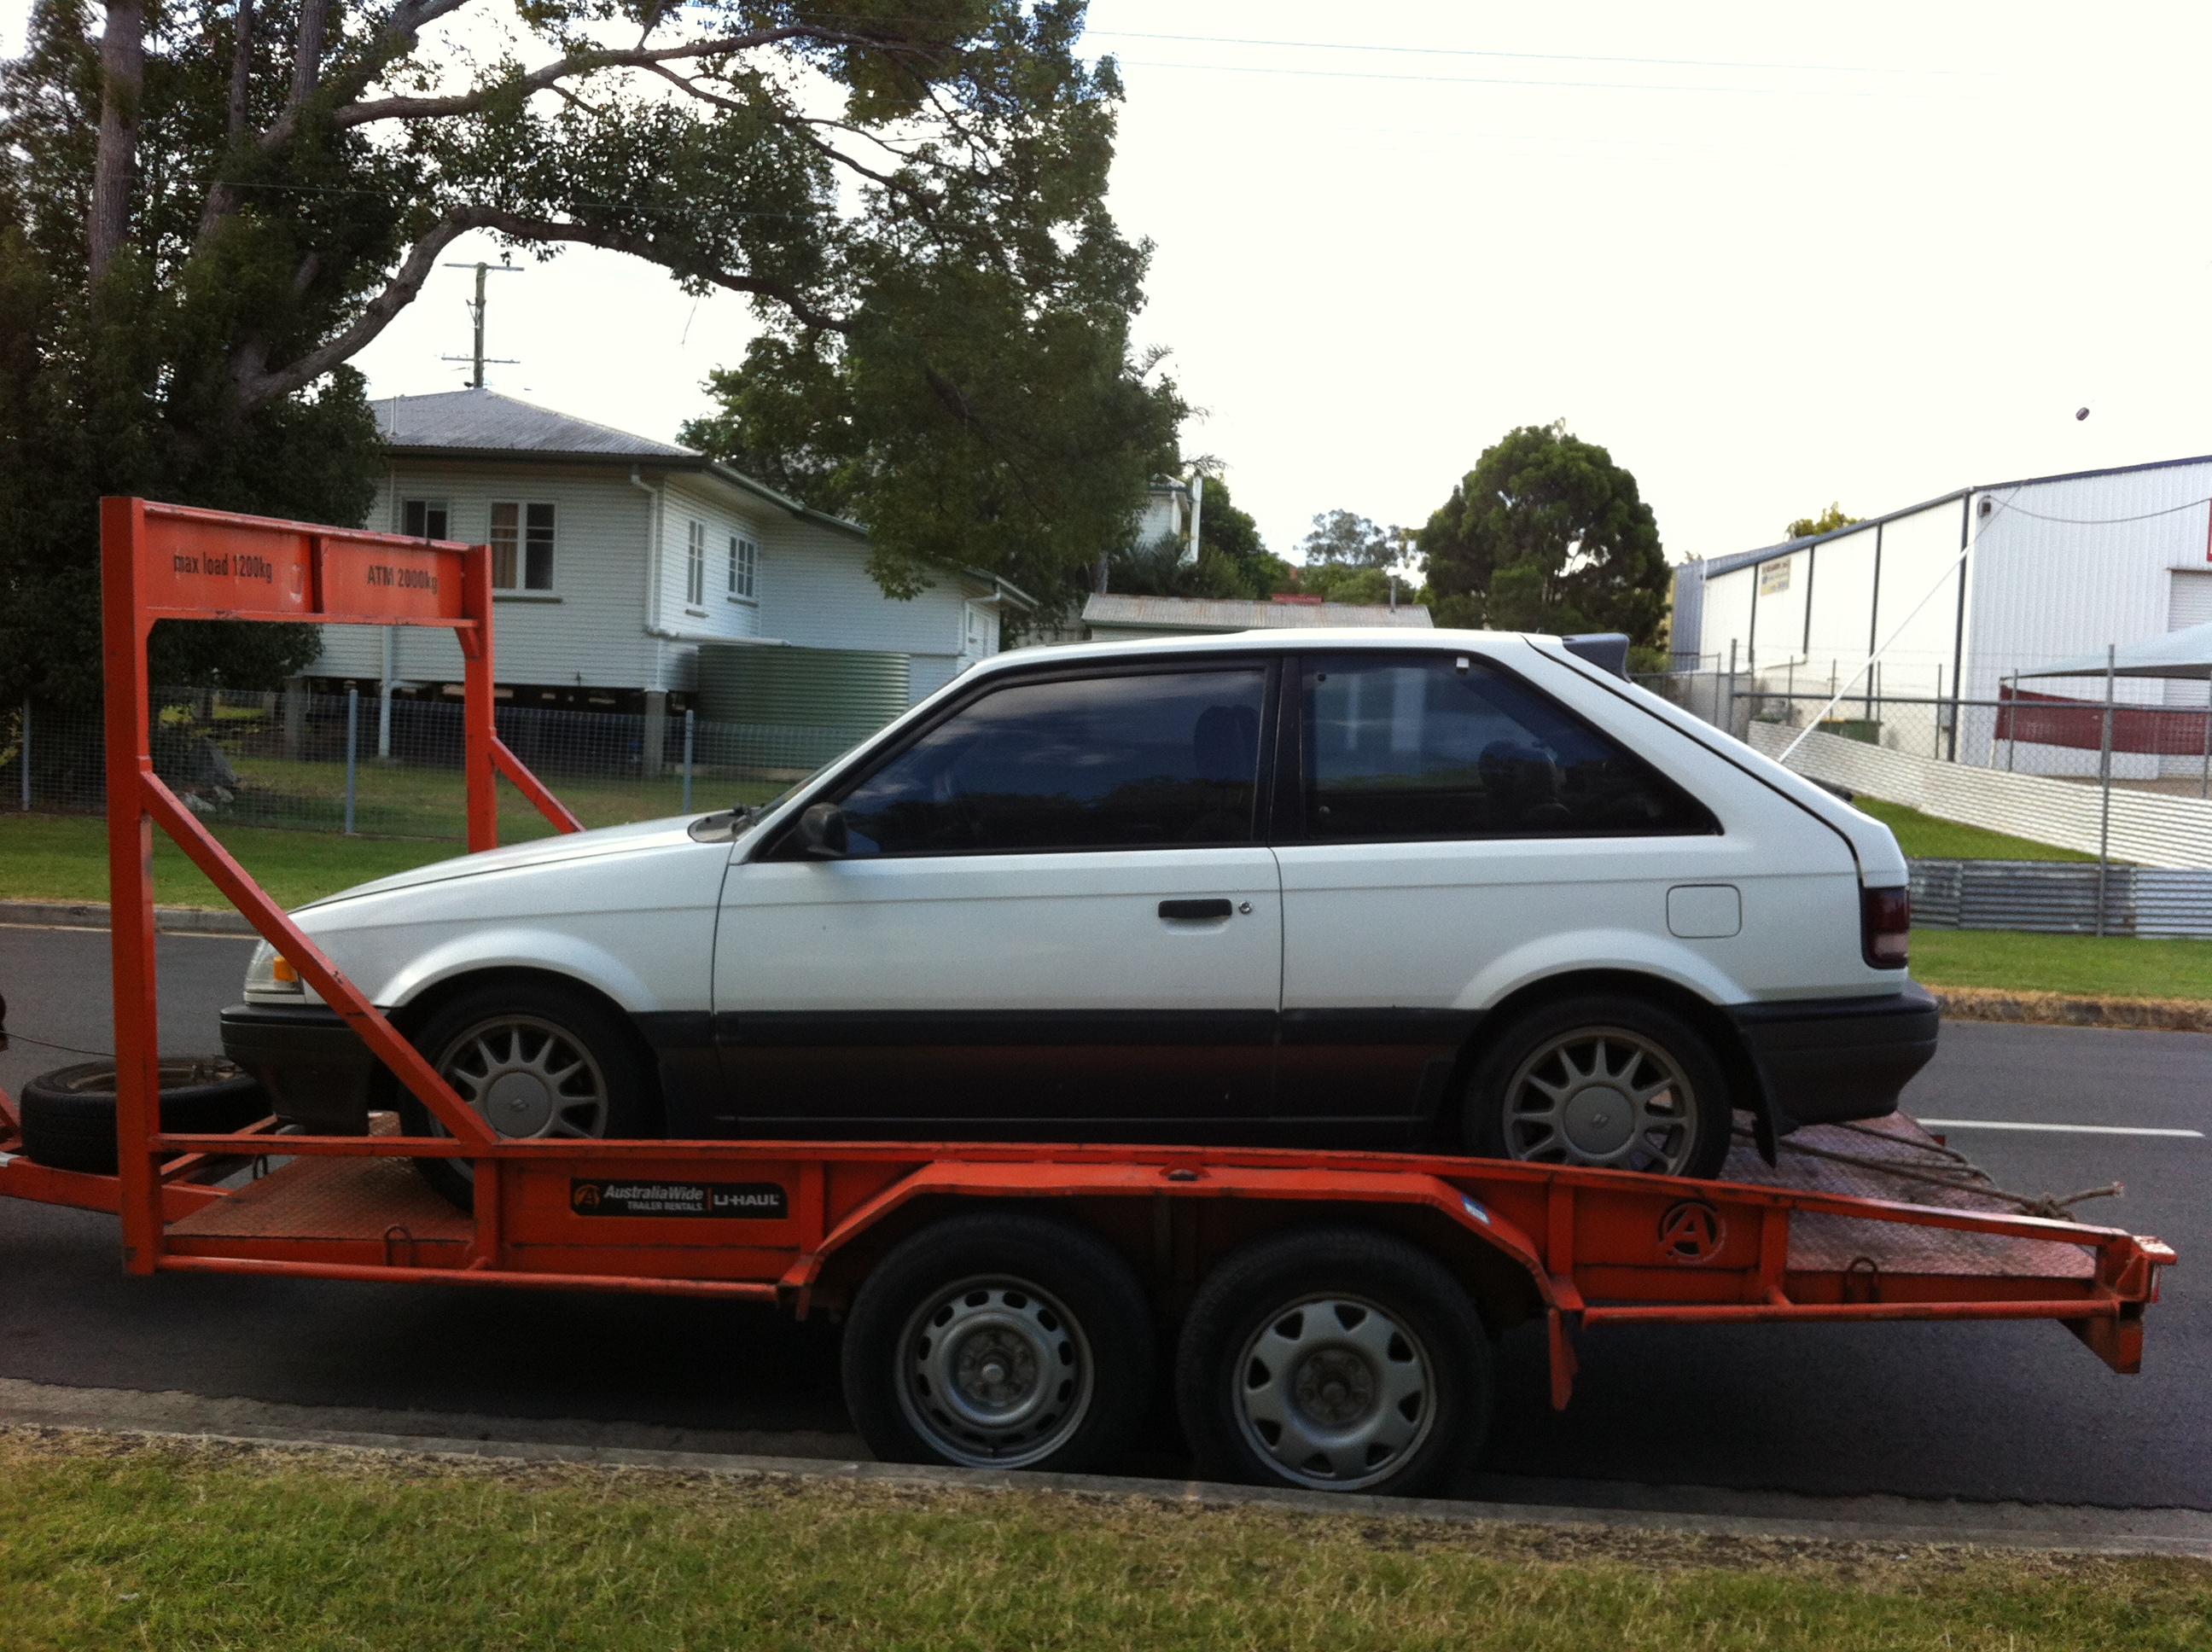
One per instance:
(69, 1115)
(1000, 1340)
(1608, 1081)
(1334, 1359)
(537, 1060)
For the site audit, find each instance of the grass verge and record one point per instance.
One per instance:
(2112, 966)
(65, 858)
(113, 1543)
(1923, 837)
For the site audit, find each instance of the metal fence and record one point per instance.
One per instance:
(2060, 898)
(2157, 747)
(357, 764)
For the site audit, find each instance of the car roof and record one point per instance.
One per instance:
(1332, 638)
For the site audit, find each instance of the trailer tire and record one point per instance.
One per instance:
(69, 1115)
(615, 1095)
(1612, 1051)
(1334, 1359)
(999, 1339)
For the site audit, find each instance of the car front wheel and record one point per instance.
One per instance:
(537, 1061)
(1608, 1082)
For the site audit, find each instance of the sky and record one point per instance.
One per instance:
(1769, 257)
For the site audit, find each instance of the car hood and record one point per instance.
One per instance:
(540, 852)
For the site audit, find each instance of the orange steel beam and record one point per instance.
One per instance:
(743, 1290)
(533, 789)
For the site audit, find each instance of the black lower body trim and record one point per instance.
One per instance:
(317, 1072)
(1824, 1060)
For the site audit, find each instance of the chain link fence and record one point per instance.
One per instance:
(358, 764)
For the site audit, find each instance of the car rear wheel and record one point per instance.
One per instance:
(1610, 1082)
(1337, 1359)
(538, 1061)
(1000, 1340)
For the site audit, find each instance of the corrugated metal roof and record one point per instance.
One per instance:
(1211, 614)
(484, 420)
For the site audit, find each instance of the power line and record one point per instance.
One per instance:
(1527, 56)
(1507, 80)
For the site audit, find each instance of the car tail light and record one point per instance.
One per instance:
(1886, 927)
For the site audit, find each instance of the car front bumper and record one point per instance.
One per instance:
(317, 1072)
(1824, 1060)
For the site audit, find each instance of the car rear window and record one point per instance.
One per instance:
(1122, 761)
(1448, 746)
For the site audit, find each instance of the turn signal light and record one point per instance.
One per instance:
(283, 969)
(1886, 927)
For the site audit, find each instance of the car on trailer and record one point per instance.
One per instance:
(1463, 891)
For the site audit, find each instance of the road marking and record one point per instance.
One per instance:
(2065, 1129)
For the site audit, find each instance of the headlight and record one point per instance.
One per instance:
(270, 975)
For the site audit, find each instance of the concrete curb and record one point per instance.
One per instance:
(2066, 1009)
(2185, 1533)
(93, 914)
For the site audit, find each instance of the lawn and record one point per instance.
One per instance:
(2113, 966)
(65, 858)
(116, 1544)
(1923, 837)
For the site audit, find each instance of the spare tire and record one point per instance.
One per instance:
(69, 1115)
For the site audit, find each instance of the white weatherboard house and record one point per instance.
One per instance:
(614, 557)
(1963, 593)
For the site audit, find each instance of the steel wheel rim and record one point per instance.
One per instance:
(1335, 1392)
(528, 1078)
(993, 1372)
(1602, 1097)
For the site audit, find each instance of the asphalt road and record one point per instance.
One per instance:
(1976, 1411)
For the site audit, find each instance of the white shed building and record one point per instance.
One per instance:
(615, 557)
(1961, 592)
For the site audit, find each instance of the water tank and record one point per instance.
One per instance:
(801, 688)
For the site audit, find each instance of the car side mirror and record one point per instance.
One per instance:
(823, 834)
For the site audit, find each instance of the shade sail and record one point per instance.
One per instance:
(2186, 652)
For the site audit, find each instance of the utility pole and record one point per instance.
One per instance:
(476, 315)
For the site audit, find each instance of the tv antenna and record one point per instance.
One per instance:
(477, 314)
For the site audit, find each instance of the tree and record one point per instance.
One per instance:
(1349, 539)
(1546, 533)
(1805, 527)
(208, 207)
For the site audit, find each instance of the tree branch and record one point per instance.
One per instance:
(538, 79)
(257, 386)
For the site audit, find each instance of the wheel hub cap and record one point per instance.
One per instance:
(1599, 1120)
(518, 1104)
(1336, 1393)
(995, 1372)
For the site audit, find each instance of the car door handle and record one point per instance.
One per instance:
(1213, 908)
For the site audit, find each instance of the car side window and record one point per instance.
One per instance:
(1445, 746)
(1130, 760)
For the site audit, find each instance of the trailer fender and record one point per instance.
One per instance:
(1336, 1189)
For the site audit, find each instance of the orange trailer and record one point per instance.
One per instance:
(1329, 1312)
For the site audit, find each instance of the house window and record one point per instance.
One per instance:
(744, 564)
(521, 544)
(424, 518)
(695, 567)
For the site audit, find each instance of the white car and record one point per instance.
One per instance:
(1465, 890)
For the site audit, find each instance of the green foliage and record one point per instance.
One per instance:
(1546, 534)
(1233, 561)
(1826, 522)
(1346, 539)
(910, 191)
(1338, 582)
